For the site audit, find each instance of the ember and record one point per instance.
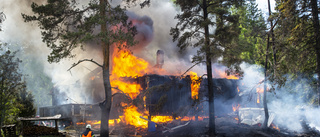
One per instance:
(275, 127)
(200, 118)
(236, 108)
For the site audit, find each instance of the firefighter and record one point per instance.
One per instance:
(88, 132)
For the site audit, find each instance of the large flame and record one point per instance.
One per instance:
(125, 64)
(132, 117)
(195, 85)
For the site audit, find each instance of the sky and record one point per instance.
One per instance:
(263, 5)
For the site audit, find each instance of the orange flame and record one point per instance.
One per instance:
(95, 122)
(259, 91)
(161, 119)
(195, 85)
(92, 78)
(131, 89)
(127, 65)
(235, 108)
(132, 117)
(223, 74)
(80, 123)
(275, 127)
(200, 118)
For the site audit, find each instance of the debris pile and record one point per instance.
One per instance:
(39, 130)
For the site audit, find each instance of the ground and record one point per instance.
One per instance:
(225, 127)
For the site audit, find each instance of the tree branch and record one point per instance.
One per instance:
(271, 28)
(192, 67)
(80, 61)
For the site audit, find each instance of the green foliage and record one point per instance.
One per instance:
(10, 85)
(249, 46)
(192, 30)
(295, 38)
(189, 31)
(251, 41)
(66, 27)
(25, 102)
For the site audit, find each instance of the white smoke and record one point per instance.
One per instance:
(28, 37)
(289, 103)
(292, 106)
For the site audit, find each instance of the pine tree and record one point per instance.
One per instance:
(65, 26)
(193, 30)
(298, 33)
(10, 83)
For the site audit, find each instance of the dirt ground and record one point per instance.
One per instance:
(225, 127)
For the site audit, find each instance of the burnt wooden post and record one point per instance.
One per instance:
(56, 123)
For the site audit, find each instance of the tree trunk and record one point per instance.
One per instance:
(2, 115)
(106, 105)
(265, 106)
(272, 42)
(2, 109)
(212, 129)
(315, 16)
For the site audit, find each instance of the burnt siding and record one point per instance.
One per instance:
(178, 94)
(175, 92)
(75, 112)
(225, 94)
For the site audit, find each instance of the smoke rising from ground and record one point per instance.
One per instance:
(290, 103)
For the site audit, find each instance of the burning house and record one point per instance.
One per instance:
(159, 98)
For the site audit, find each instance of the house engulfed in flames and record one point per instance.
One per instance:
(140, 90)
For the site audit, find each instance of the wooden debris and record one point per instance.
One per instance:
(180, 126)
